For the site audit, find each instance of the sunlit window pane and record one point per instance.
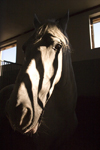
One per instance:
(9, 53)
(96, 28)
(94, 20)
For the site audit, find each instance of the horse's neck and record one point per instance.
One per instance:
(67, 83)
(65, 94)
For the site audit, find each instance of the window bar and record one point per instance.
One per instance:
(92, 36)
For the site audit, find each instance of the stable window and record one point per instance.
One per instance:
(8, 53)
(95, 31)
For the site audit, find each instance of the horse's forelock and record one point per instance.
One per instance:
(52, 28)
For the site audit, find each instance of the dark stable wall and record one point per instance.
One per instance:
(87, 74)
(87, 135)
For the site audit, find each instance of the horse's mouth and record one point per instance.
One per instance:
(28, 131)
(32, 130)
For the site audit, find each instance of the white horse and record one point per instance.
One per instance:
(42, 103)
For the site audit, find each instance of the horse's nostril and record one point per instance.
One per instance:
(25, 117)
(24, 114)
(19, 116)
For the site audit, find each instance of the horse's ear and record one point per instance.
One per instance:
(64, 21)
(36, 21)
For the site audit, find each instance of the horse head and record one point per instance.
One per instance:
(41, 71)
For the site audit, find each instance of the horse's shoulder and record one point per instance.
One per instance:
(6, 91)
(4, 96)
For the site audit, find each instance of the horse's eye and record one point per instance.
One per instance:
(58, 47)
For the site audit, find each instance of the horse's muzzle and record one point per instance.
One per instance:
(20, 117)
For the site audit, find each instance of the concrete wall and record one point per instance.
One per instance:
(79, 36)
(86, 61)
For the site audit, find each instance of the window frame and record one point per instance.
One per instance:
(8, 46)
(95, 18)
